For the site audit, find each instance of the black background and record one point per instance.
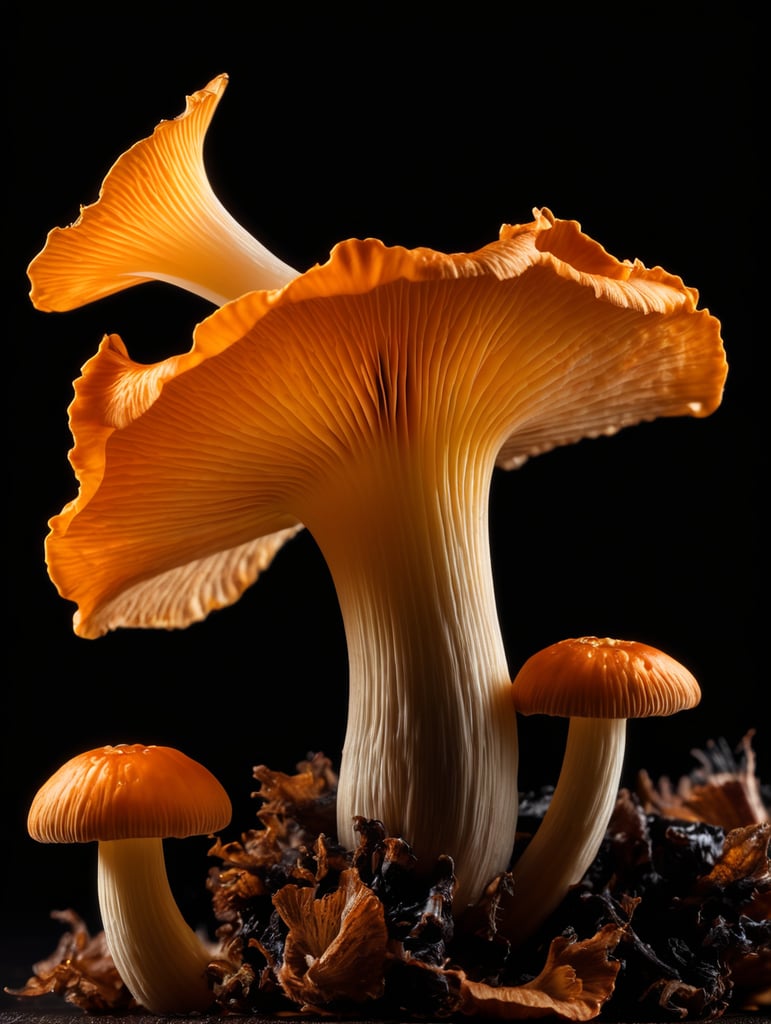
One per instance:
(421, 128)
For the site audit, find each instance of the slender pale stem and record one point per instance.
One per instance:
(569, 837)
(431, 742)
(159, 957)
(217, 258)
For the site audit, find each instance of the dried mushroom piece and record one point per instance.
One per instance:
(417, 905)
(335, 948)
(80, 970)
(744, 863)
(694, 904)
(307, 797)
(723, 790)
(286, 850)
(294, 809)
(735, 897)
(577, 980)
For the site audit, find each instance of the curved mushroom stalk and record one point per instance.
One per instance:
(571, 833)
(159, 957)
(431, 741)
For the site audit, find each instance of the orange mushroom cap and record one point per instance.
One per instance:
(592, 677)
(193, 471)
(156, 218)
(129, 791)
(129, 798)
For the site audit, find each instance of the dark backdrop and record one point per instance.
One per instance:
(421, 129)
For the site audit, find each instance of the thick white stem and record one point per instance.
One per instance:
(569, 837)
(431, 742)
(159, 957)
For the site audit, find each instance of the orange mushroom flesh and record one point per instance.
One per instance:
(156, 219)
(369, 400)
(128, 798)
(598, 684)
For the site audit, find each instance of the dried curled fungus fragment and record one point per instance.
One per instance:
(724, 790)
(744, 862)
(697, 931)
(677, 999)
(285, 851)
(306, 798)
(80, 970)
(417, 906)
(741, 882)
(238, 884)
(335, 949)
(577, 980)
(293, 807)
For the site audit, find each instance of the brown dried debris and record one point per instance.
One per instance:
(278, 845)
(577, 980)
(307, 797)
(80, 970)
(335, 949)
(722, 791)
(673, 919)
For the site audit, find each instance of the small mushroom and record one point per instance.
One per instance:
(128, 798)
(369, 400)
(598, 684)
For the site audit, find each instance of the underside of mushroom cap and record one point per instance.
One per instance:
(156, 218)
(193, 471)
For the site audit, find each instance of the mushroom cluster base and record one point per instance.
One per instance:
(671, 921)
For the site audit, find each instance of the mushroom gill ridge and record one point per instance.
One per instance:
(276, 391)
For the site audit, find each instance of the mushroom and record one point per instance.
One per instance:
(128, 798)
(598, 683)
(157, 219)
(369, 400)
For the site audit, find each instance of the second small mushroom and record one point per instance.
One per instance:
(598, 683)
(128, 798)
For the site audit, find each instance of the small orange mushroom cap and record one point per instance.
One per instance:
(593, 677)
(128, 791)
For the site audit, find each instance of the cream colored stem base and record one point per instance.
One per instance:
(573, 828)
(431, 741)
(159, 957)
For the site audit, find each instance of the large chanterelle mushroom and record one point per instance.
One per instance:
(368, 399)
